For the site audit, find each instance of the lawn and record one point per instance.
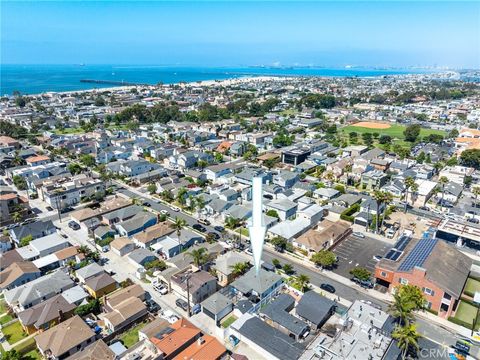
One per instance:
(229, 321)
(74, 130)
(32, 355)
(3, 306)
(472, 286)
(14, 332)
(395, 131)
(130, 338)
(466, 313)
(5, 319)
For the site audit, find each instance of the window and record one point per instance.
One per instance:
(428, 291)
(428, 304)
(383, 274)
(403, 281)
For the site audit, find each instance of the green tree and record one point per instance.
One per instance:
(240, 268)
(25, 240)
(360, 273)
(19, 182)
(74, 168)
(412, 132)
(11, 355)
(152, 188)
(324, 258)
(181, 195)
(156, 265)
(276, 263)
(199, 256)
(471, 158)
(91, 307)
(279, 243)
(272, 213)
(232, 223)
(288, 269)
(442, 182)
(407, 338)
(87, 160)
(178, 225)
(302, 281)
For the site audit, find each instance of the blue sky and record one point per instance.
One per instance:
(226, 33)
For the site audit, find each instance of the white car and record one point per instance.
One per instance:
(164, 212)
(175, 208)
(358, 234)
(161, 289)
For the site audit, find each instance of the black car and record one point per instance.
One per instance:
(73, 225)
(182, 304)
(327, 287)
(199, 227)
(152, 306)
(147, 204)
(214, 235)
(219, 228)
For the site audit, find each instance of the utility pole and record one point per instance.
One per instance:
(188, 294)
(58, 208)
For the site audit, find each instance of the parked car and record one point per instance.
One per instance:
(175, 208)
(204, 221)
(49, 208)
(358, 234)
(160, 288)
(196, 309)
(215, 235)
(152, 306)
(367, 284)
(146, 203)
(199, 227)
(182, 304)
(164, 212)
(233, 340)
(327, 287)
(73, 225)
(219, 228)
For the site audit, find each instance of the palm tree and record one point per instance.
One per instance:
(387, 199)
(232, 222)
(288, 269)
(178, 225)
(167, 195)
(191, 203)
(199, 256)
(379, 197)
(240, 268)
(303, 281)
(200, 203)
(407, 337)
(443, 181)
(181, 195)
(17, 216)
(413, 191)
(409, 183)
(401, 309)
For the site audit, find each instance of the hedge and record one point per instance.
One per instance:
(347, 215)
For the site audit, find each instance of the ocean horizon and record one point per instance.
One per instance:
(34, 79)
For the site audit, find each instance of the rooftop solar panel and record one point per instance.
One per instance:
(402, 243)
(393, 255)
(418, 255)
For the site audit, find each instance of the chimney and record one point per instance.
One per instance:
(61, 317)
(200, 341)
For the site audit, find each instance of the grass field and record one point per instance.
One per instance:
(5, 319)
(14, 332)
(3, 306)
(229, 321)
(467, 313)
(472, 285)
(130, 338)
(395, 131)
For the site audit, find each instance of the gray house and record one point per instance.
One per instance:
(315, 309)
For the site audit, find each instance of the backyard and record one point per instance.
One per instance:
(5, 318)
(130, 338)
(471, 287)
(14, 332)
(465, 314)
(228, 321)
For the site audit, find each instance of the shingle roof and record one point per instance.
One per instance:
(97, 350)
(278, 311)
(46, 311)
(100, 281)
(314, 307)
(64, 336)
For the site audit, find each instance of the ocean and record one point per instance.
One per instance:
(34, 79)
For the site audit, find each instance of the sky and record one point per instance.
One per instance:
(226, 33)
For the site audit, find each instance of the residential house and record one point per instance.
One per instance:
(201, 285)
(97, 350)
(65, 339)
(285, 208)
(38, 290)
(315, 309)
(139, 257)
(277, 314)
(36, 230)
(373, 180)
(136, 224)
(326, 235)
(17, 274)
(152, 235)
(117, 297)
(286, 179)
(122, 246)
(99, 285)
(224, 266)
(88, 271)
(47, 314)
(125, 313)
(456, 173)
(217, 307)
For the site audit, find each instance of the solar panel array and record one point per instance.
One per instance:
(393, 255)
(419, 254)
(402, 242)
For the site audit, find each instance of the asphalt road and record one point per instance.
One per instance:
(427, 329)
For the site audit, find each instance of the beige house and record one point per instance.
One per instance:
(326, 235)
(125, 313)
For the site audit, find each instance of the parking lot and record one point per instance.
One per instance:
(356, 251)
